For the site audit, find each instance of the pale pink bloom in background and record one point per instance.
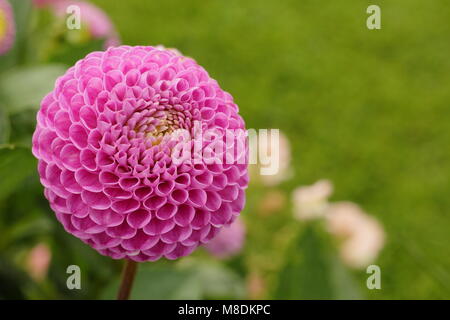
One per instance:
(38, 261)
(284, 171)
(362, 236)
(311, 202)
(7, 27)
(256, 286)
(229, 241)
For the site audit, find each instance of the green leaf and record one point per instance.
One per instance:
(344, 284)
(218, 282)
(12, 280)
(160, 282)
(312, 270)
(16, 163)
(5, 127)
(307, 273)
(190, 279)
(69, 53)
(22, 126)
(25, 87)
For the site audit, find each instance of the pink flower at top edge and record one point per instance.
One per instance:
(7, 27)
(92, 17)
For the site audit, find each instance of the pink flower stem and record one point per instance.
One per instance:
(128, 273)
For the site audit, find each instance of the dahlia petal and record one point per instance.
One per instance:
(178, 196)
(108, 218)
(222, 215)
(62, 124)
(117, 193)
(88, 180)
(177, 234)
(197, 236)
(197, 197)
(154, 202)
(140, 241)
(157, 226)
(87, 160)
(167, 211)
(201, 219)
(179, 251)
(86, 225)
(125, 206)
(122, 231)
(160, 248)
(108, 178)
(96, 200)
(229, 193)
(143, 193)
(76, 206)
(70, 157)
(139, 218)
(213, 201)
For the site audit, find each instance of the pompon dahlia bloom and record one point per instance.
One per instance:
(107, 142)
(229, 241)
(7, 27)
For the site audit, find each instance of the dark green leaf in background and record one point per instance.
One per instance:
(306, 274)
(5, 126)
(69, 54)
(312, 272)
(188, 279)
(23, 88)
(16, 163)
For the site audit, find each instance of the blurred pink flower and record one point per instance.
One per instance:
(311, 202)
(362, 235)
(38, 261)
(7, 27)
(105, 139)
(229, 241)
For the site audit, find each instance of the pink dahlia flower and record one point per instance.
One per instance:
(229, 241)
(7, 27)
(107, 141)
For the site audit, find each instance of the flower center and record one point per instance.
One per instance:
(156, 125)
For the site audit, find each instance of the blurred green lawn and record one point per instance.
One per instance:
(367, 109)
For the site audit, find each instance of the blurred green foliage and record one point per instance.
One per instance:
(367, 109)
